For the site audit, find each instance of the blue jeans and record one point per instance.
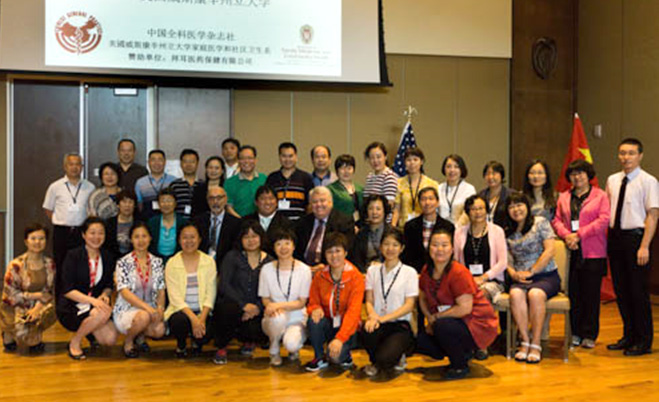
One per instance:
(324, 332)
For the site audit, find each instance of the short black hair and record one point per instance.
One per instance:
(414, 151)
(137, 225)
(126, 140)
(335, 239)
(123, 194)
(377, 197)
(34, 227)
(373, 145)
(344, 160)
(580, 165)
(231, 141)
(430, 263)
(469, 202)
(517, 197)
(249, 148)
(461, 164)
(496, 167)
(632, 141)
(264, 189)
(189, 151)
(188, 224)
(329, 151)
(287, 145)
(90, 221)
(427, 189)
(109, 165)
(283, 234)
(166, 191)
(245, 227)
(396, 233)
(157, 151)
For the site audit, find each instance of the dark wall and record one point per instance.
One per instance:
(542, 109)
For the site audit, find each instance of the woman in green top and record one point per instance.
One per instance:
(346, 194)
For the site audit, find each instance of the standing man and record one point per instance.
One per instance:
(148, 187)
(634, 196)
(322, 175)
(217, 228)
(230, 148)
(65, 205)
(241, 188)
(130, 171)
(184, 187)
(291, 184)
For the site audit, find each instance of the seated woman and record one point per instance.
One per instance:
(582, 219)
(191, 278)
(335, 306)
(103, 201)
(460, 319)
(140, 306)
(239, 310)
(118, 228)
(366, 248)
(83, 306)
(533, 272)
(27, 307)
(165, 226)
(391, 292)
(284, 290)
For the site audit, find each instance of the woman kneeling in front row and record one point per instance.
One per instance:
(83, 306)
(140, 305)
(335, 305)
(460, 319)
(391, 292)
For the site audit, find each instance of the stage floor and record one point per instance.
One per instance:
(591, 375)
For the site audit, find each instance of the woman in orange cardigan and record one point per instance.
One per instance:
(335, 305)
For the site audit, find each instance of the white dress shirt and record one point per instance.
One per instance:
(67, 201)
(641, 195)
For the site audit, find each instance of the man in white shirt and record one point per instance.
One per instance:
(634, 196)
(230, 148)
(65, 204)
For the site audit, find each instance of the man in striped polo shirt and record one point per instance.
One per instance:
(291, 184)
(184, 187)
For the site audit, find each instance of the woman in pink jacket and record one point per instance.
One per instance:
(582, 217)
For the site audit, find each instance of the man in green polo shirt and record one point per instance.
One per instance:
(241, 188)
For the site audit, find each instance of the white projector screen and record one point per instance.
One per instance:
(279, 40)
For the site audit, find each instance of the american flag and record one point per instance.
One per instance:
(407, 140)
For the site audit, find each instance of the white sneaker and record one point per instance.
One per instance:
(275, 360)
(370, 370)
(402, 364)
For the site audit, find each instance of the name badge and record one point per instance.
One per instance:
(476, 269)
(336, 321)
(187, 210)
(284, 204)
(74, 208)
(83, 308)
(212, 253)
(575, 226)
(441, 309)
(155, 205)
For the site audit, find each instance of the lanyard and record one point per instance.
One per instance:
(415, 193)
(74, 197)
(385, 294)
(476, 244)
(450, 203)
(290, 281)
(143, 275)
(93, 271)
(162, 183)
(337, 291)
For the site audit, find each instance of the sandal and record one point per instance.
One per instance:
(521, 356)
(80, 356)
(533, 357)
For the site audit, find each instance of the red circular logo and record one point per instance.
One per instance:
(79, 33)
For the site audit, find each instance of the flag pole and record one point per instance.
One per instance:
(410, 112)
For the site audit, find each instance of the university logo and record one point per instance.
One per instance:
(78, 32)
(306, 34)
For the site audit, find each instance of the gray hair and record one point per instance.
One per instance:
(70, 154)
(320, 190)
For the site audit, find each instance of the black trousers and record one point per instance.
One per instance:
(388, 343)
(451, 337)
(631, 284)
(181, 328)
(228, 325)
(65, 238)
(584, 285)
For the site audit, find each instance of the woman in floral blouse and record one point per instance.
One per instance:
(27, 307)
(140, 305)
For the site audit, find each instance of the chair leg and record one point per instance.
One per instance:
(510, 334)
(568, 337)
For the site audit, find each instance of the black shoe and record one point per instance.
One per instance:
(623, 343)
(143, 347)
(131, 353)
(196, 349)
(481, 354)
(10, 347)
(81, 356)
(38, 348)
(456, 373)
(181, 353)
(637, 350)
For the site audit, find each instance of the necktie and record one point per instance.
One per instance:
(312, 255)
(213, 235)
(621, 202)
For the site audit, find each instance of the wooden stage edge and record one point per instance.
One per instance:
(590, 375)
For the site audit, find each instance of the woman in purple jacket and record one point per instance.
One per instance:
(582, 217)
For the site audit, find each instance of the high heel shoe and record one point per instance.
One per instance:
(81, 356)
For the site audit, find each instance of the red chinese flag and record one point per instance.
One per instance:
(578, 149)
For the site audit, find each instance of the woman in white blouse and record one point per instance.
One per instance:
(455, 190)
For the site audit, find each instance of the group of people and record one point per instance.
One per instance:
(399, 265)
